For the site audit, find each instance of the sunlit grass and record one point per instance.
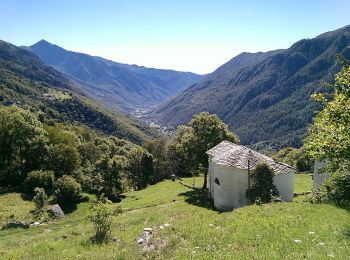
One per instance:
(302, 183)
(273, 231)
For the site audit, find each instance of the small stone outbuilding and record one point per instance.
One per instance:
(228, 175)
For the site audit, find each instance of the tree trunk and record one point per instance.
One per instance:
(205, 180)
(206, 166)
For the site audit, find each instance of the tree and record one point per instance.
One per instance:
(109, 170)
(298, 158)
(181, 149)
(158, 149)
(140, 167)
(193, 141)
(329, 135)
(64, 158)
(23, 144)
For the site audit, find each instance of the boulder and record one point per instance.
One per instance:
(56, 211)
(277, 200)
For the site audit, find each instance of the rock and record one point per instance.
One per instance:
(166, 225)
(16, 224)
(148, 230)
(56, 211)
(151, 247)
(140, 241)
(161, 227)
(277, 200)
(36, 223)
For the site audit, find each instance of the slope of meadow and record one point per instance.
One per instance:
(273, 231)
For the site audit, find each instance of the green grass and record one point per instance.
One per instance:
(195, 232)
(302, 183)
(57, 94)
(13, 206)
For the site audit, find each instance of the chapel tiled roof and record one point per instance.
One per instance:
(230, 154)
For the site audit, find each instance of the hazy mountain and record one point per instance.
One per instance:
(27, 82)
(265, 97)
(121, 87)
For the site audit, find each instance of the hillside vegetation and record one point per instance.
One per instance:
(121, 87)
(272, 231)
(27, 82)
(265, 97)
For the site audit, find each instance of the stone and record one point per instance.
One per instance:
(277, 200)
(36, 223)
(161, 227)
(16, 224)
(148, 229)
(56, 211)
(166, 225)
(151, 247)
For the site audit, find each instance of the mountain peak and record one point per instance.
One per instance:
(42, 42)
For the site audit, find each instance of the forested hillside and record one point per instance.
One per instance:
(265, 97)
(121, 87)
(53, 137)
(28, 83)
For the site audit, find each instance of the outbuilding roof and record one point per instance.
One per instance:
(230, 154)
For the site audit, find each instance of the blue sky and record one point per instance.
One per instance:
(184, 35)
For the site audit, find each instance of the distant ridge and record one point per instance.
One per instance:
(122, 87)
(26, 81)
(265, 97)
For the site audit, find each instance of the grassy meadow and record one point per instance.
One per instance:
(274, 231)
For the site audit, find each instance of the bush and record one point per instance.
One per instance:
(41, 179)
(335, 190)
(67, 190)
(102, 221)
(262, 189)
(40, 200)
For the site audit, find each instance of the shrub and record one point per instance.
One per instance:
(262, 189)
(335, 190)
(102, 221)
(67, 190)
(41, 179)
(40, 200)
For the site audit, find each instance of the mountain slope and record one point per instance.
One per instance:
(265, 97)
(25, 80)
(121, 87)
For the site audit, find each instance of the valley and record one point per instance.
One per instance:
(177, 130)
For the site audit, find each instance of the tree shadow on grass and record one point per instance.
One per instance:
(199, 198)
(68, 207)
(5, 190)
(346, 233)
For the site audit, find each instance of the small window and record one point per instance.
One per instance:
(217, 181)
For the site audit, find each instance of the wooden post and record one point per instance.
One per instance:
(249, 195)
